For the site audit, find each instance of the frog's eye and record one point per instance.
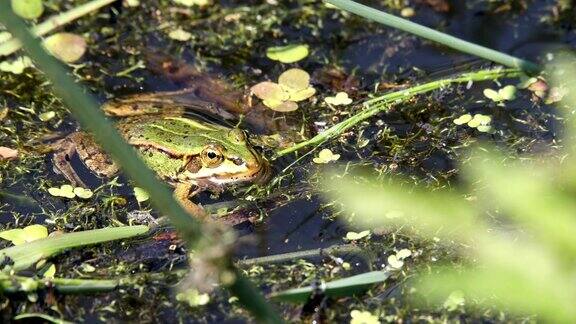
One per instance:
(238, 135)
(212, 156)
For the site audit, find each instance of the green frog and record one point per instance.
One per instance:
(192, 155)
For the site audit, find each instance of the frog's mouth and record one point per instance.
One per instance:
(229, 172)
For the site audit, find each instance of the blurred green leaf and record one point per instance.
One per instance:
(436, 212)
(529, 194)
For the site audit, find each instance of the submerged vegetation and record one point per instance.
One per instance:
(409, 182)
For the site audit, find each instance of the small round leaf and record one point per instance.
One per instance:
(294, 79)
(302, 94)
(66, 47)
(285, 106)
(269, 91)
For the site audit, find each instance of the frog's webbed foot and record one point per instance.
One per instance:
(61, 160)
(182, 192)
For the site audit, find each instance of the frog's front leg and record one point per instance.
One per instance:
(89, 153)
(65, 149)
(182, 193)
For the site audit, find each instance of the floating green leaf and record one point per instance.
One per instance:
(353, 236)
(394, 262)
(270, 91)
(337, 288)
(505, 94)
(293, 85)
(66, 191)
(16, 66)
(363, 317)
(484, 128)
(46, 116)
(190, 3)
(50, 272)
(83, 193)
(141, 195)
(302, 94)
(16, 236)
(287, 54)
(464, 119)
(180, 35)
(341, 98)
(479, 121)
(294, 80)
(326, 156)
(27, 9)
(66, 47)
(193, 298)
(403, 254)
(27, 234)
(282, 106)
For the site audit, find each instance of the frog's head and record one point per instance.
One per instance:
(228, 159)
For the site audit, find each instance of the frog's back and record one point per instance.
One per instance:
(177, 136)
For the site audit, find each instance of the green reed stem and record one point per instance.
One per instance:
(436, 36)
(86, 111)
(385, 102)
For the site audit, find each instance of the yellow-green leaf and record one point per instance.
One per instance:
(269, 91)
(46, 116)
(353, 236)
(66, 191)
(27, 234)
(403, 254)
(287, 54)
(284, 106)
(16, 236)
(193, 298)
(66, 47)
(326, 156)
(83, 193)
(363, 317)
(141, 195)
(341, 98)
(463, 119)
(50, 272)
(394, 262)
(16, 66)
(190, 3)
(35, 232)
(294, 79)
(27, 9)
(302, 94)
(180, 35)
